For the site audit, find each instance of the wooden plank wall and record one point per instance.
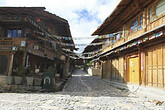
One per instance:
(155, 65)
(106, 69)
(117, 72)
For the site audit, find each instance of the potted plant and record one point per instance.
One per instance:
(52, 70)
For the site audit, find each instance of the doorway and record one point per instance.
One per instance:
(3, 63)
(134, 70)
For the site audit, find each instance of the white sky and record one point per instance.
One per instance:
(84, 16)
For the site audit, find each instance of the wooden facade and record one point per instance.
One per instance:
(135, 54)
(27, 38)
(91, 52)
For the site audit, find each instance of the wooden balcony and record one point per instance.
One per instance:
(42, 50)
(122, 40)
(155, 23)
(6, 41)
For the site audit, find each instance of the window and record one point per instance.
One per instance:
(160, 7)
(19, 33)
(150, 14)
(134, 25)
(54, 46)
(141, 20)
(9, 33)
(118, 36)
(13, 32)
(111, 38)
(107, 42)
(126, 32)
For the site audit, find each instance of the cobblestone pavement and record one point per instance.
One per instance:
(82, 92)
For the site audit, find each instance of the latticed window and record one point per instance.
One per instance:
(160, 7)
(14, 32)
(118, 36)
(150, 13)
(141, 20)
(134, 26)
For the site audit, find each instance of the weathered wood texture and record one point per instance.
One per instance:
(114, 69)
(106, 71)
(147, 25)
(155, 65)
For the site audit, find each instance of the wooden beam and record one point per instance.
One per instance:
(140, 78)
(7, 12)
(122, 6)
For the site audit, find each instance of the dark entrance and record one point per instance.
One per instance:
(3, 64)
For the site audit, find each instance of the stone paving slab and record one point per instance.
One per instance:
(82, 92)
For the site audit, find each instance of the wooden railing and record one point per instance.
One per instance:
(6, 41)
(155, 23)
(122, 40)
(151, 25)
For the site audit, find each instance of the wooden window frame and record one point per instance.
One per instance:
(154, 16)
(15, 28)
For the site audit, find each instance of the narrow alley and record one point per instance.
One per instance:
(82, 55)
(82, 92)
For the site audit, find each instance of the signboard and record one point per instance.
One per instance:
(23, 43)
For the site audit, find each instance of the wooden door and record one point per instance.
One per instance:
(155, 65)
(134, 70)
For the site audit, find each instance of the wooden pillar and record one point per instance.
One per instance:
(145, 20)
(140, 78)
(102, 72)
(162, 65)
(127, 68)
(66, 67)
(41, 68)
(144, 68)
(11, 64)
(27, 61)
(24, 59)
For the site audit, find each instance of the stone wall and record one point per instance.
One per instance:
(94, 71)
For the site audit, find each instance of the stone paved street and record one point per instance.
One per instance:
(82, 92)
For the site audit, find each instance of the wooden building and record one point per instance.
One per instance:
(28, 38)
(91, 53)
(136, 54)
